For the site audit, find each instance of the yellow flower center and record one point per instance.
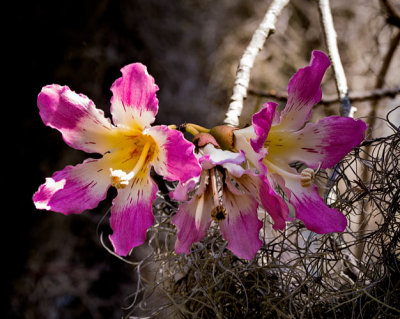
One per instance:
(131, 158)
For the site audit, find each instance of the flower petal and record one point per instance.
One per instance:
(132, 214)
(134, 100)
(274, 204)
(262, 122)
(74, 189)
(311, 209)
(221, 157)
(241, 227)
(82, 125)
(243, 138)
(181, 191)
(259, 187)
(192, 221)
(325, 142)
(304, 91)
(258, 184)
(175, 160)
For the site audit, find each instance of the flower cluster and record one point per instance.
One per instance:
(229, 172)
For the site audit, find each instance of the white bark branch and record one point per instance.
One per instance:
(266, 27)
(331, 43)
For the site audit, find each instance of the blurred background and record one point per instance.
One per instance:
(56, 266)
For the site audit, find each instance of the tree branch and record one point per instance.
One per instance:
(264, 30)
(374, 94)
(393, 14)
(331, 43)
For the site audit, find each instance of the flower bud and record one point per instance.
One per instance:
(202, 139)
(224, 136)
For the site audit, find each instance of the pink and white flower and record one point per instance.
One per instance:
(233, 204)
(130, 146)
(275, 141)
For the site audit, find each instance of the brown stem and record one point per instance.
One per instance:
(393, 15)
(374, 94)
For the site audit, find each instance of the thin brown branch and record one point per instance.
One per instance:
(394, 43)
(393, 17)
(362, 96)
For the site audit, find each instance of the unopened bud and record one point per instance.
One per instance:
(224, 136)
(202, 139)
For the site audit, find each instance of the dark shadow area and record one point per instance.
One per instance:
(55, 265)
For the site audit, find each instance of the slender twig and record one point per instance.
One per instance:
(264, 30)
(331, 43)
(393, 14)
(380, 79)
(362, 96)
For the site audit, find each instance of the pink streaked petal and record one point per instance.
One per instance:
(181, 191)
(74, 189)
(134, 98)
(262, 122)
(192, 221)
(259, 187)
(235, 169)
(315, 214)
(132, 214)
(175, 160)
(325, 142)
(329, 140)
(204, 161)
(274, 204)
(242, 143)
(82, 125)
(220, 157)
(241, 227)
(304, 91)
(310, 208)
